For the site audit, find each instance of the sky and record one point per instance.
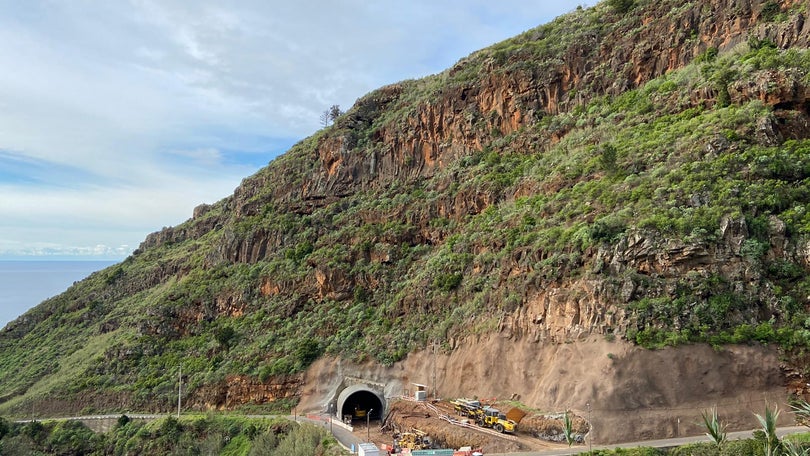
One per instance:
(118, 117)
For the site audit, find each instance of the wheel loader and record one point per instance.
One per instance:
(493, 418)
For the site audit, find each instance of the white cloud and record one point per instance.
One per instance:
(117, 118)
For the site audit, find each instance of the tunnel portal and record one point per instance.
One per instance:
(360, 398)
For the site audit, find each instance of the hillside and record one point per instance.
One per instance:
(632, 177)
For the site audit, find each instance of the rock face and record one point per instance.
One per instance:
(338, 239)
(460, 118)
(238, 390)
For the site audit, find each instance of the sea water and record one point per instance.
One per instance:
(26, 283)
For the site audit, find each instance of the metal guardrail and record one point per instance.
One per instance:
(97, 417)
(331, 421)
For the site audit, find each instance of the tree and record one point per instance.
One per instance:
(608, 156)
(330, 115)
(334, 113)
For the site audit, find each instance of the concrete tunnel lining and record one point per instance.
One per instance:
(362, 395)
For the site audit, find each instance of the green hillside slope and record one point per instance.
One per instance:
(657, 180)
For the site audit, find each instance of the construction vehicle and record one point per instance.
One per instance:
(484, 416)
(467, 407)
(414, 440)
(493, 418)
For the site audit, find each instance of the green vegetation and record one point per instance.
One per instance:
(768, 421)
(621, 6)
(715, 429)
(568, 428)
(685, 199)
(213, 434)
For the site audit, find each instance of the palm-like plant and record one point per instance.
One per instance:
(568, 428)
(768, 423)
(794, 449)
(716, 429)
(802, 410)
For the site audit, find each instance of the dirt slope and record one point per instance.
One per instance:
(633, 393)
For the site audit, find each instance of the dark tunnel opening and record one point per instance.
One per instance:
(358, 405)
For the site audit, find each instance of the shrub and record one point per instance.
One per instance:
(621, 6)
(447, 282)
(224, 336)
(770, 10)
(123, 420)
(307, 351)
(607, 157)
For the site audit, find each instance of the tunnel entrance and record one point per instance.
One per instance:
(357, 400)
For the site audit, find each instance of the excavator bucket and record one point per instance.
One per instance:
(515, 414)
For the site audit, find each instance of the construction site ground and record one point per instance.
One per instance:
(432, 418)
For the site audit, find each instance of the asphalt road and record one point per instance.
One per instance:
(664, 443)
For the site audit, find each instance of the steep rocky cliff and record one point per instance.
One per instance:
(640, 176)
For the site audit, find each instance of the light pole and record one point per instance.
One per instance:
(368, 425)
(179, 390)
(434, 369)
(590, 439)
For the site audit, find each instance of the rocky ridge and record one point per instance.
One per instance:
(257, 257)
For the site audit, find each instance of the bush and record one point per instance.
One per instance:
(123, 420)
(224, 336)
(770, 10)
(447, 282)
(71, 437)
(307, 351)
(621, 6)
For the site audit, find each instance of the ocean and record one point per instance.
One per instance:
(26, 283)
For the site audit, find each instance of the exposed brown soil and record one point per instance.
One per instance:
(405, 416)
(632, 393)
